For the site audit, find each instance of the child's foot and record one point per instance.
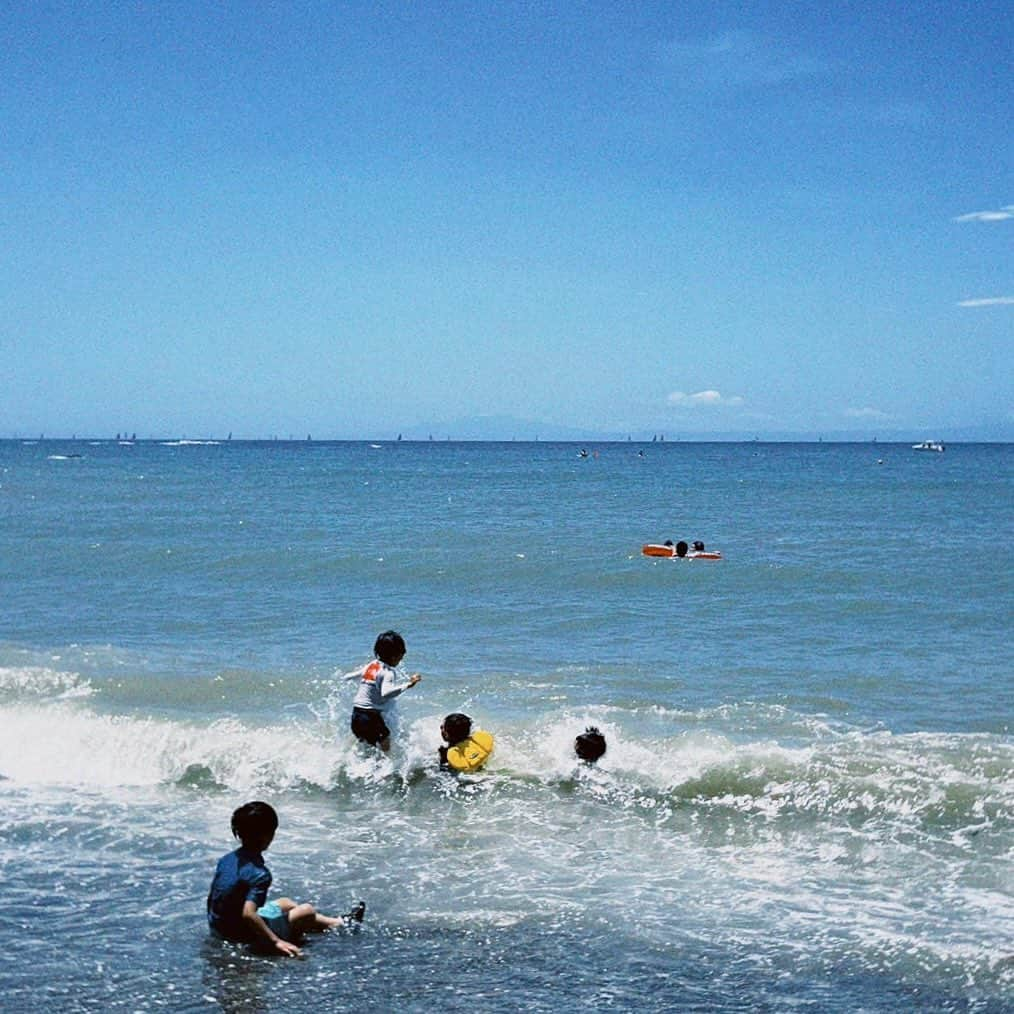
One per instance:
(357, 913)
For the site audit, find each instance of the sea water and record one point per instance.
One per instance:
(807, 801)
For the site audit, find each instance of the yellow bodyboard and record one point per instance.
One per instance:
(470, 754)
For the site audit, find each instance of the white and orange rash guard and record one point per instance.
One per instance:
(378, 686)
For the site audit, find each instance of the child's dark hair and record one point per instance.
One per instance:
(254, 820)
(389, 647)
(457, 727)
(590, 745)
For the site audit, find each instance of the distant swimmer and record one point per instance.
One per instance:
(590, 745)
(378, 689)
(680, 551)
(465, 750)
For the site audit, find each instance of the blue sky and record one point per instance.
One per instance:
(356, 219)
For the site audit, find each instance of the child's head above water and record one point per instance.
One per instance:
(456, 727)
(590, 745)
(254, 824)
(389, 647)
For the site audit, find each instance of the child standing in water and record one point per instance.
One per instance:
(378, 690)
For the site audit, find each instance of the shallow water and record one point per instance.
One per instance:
(807, 798)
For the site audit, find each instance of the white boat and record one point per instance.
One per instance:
(928, 445)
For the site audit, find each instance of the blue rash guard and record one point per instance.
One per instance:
(240, 876)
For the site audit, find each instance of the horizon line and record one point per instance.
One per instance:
(696, 439)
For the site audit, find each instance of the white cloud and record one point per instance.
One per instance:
(703, 399)
(988, 216)
(866, 413)
(992, 301)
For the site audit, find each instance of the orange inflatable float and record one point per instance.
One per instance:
(653, 549)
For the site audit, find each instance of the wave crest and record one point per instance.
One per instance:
(32, 681)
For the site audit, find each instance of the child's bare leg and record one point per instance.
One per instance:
(326, 922)
(305, 918)
(352, 919)
(302, 918)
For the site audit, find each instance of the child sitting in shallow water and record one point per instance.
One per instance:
(238, 909)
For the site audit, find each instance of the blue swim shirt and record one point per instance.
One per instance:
(240, 876)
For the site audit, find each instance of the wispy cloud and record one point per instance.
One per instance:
(705, 399)
(990, 301)
(866, 413)
(1000, 215)
(742, 58)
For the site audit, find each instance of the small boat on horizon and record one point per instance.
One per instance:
(928, 445)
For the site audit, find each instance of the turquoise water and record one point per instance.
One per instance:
(807, 799)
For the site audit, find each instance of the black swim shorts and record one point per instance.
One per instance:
(368, 726)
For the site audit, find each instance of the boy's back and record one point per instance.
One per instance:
(240, 876)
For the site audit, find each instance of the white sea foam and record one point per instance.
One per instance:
(65, 745)
(941, 784)
(40, 681)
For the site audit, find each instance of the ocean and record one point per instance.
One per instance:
(807, 802)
